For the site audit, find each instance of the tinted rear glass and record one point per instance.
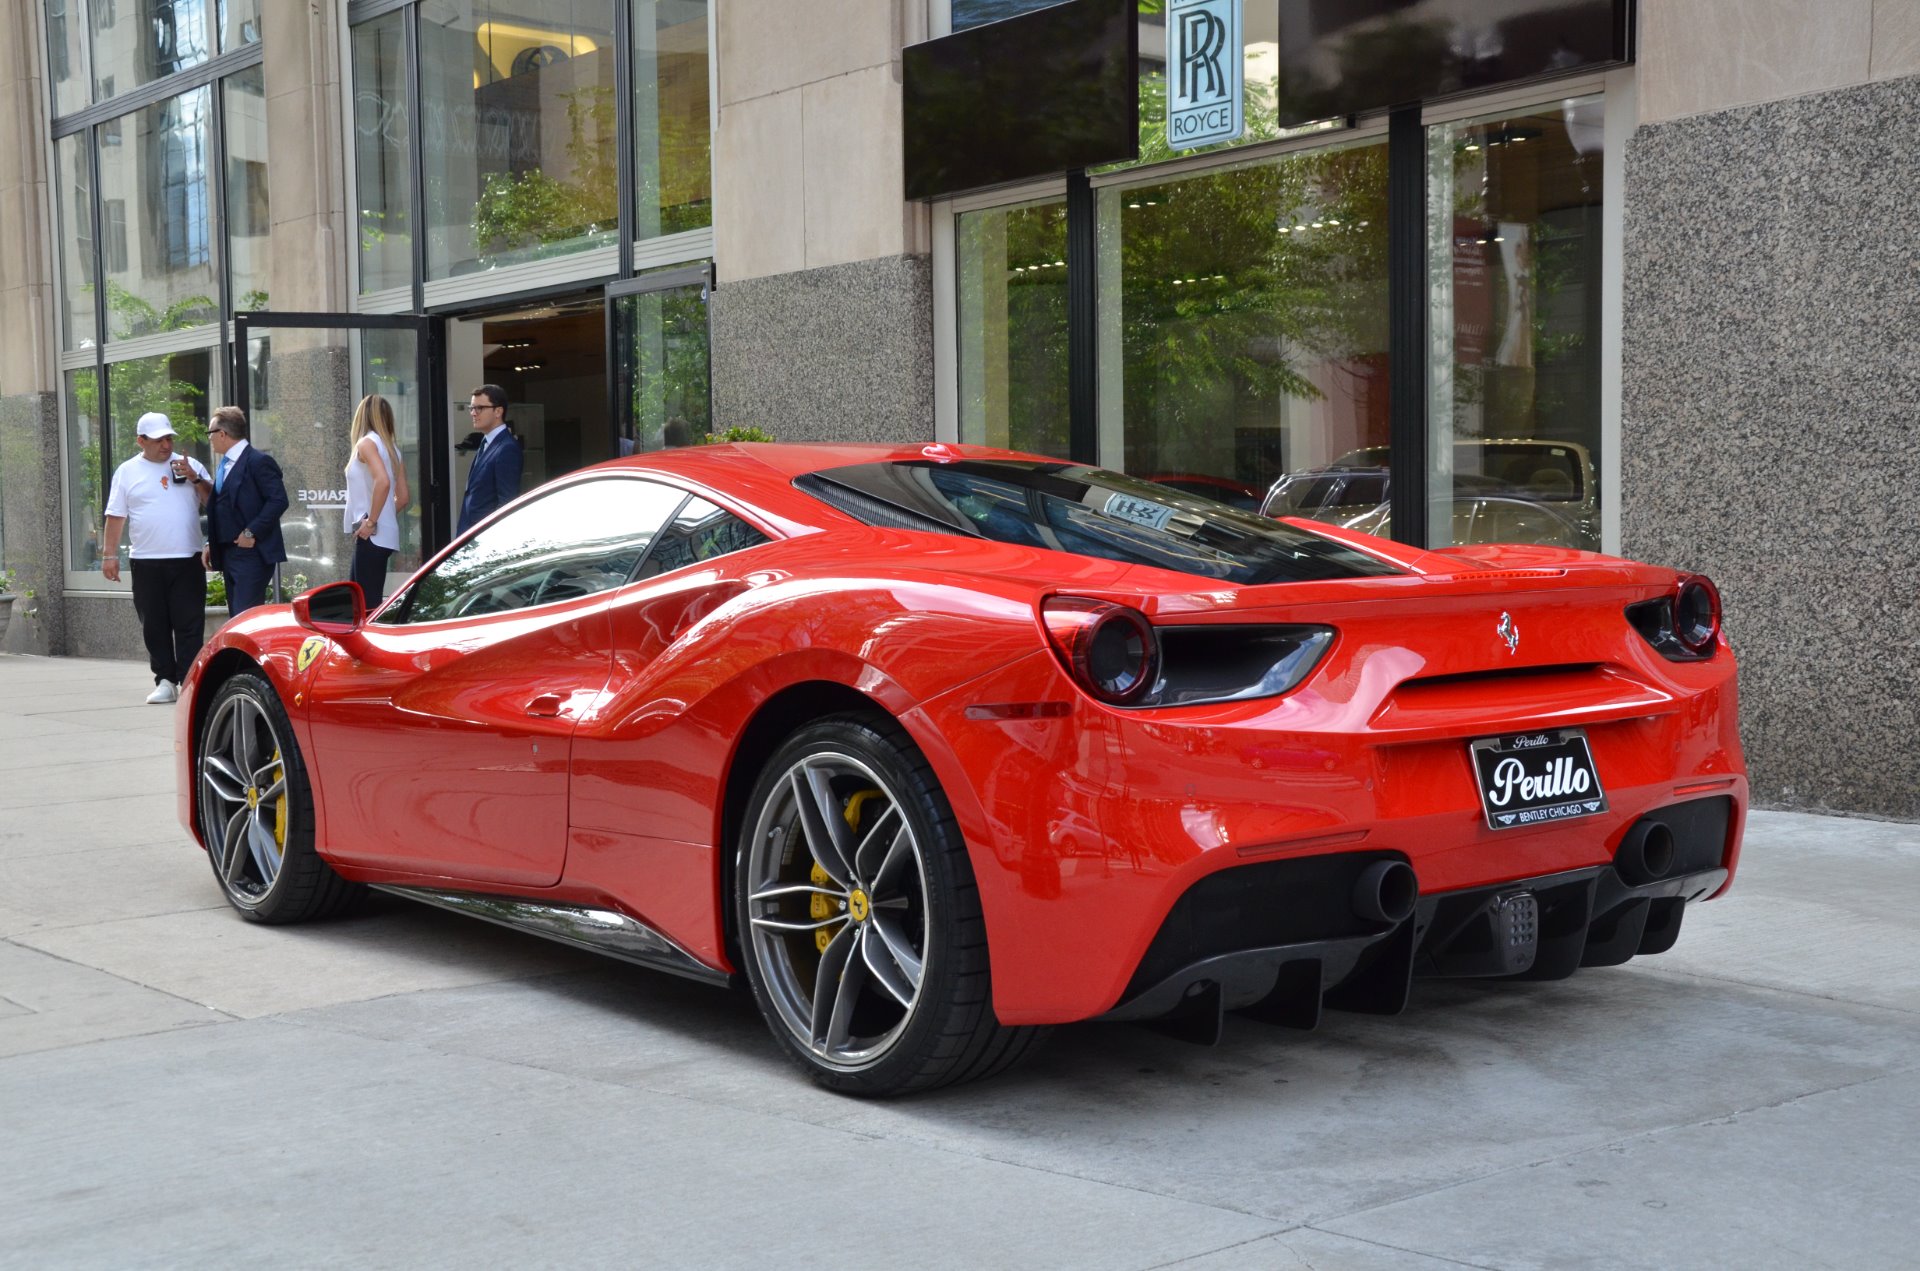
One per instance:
(1089, 512)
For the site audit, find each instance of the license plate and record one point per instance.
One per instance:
(1535, 778)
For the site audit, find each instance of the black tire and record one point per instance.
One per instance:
(255, 809)
(862, 906)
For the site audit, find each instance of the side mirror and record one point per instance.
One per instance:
(335, 609)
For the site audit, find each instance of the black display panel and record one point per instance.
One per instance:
(1347, 57)
(1043, 93)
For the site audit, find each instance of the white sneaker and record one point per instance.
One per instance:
(163, 692)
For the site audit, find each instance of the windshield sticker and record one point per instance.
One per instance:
(1129, 507)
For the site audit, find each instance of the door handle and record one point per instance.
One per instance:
(545, 706)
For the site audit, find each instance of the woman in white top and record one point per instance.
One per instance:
(376, 491)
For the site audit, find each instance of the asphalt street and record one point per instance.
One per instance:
(410, 1088)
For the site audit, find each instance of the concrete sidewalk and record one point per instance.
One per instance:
(410, 1088)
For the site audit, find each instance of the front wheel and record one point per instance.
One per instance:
(859, 918)
(256, 809)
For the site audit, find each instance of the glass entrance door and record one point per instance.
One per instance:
(299, 377)
(661, 382)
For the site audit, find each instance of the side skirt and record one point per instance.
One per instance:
(595, 930)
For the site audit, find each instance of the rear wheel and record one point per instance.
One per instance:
(859, 917)
(256, 809)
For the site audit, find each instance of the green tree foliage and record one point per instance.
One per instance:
(521, 213)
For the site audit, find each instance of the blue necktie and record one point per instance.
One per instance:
(219, 474)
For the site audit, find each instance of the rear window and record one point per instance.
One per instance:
(1088, 512)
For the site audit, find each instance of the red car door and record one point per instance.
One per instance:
(444, 749)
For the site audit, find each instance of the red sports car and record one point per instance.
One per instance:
(937, 745)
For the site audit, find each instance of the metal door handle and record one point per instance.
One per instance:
(546, 705)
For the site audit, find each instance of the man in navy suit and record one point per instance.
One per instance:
(494, 478)
(243, 516)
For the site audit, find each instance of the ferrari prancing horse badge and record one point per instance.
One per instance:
(310, 650)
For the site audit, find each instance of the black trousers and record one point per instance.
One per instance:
(370, 570)
(170, 597)
(246, 572)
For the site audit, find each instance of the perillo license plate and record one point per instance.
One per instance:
(1534, 778)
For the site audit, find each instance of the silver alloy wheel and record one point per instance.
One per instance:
(243, 798)
(837, 906)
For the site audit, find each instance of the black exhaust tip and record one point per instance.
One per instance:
(1386, 892)
(1646, 855)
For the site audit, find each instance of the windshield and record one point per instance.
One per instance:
(1088, 512)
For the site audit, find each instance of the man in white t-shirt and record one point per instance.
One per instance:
(158, 495)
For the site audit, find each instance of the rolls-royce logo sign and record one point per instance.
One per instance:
(1509, 632)
(1205, 65)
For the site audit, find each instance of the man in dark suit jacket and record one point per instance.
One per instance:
(243, 516)
(494, 478)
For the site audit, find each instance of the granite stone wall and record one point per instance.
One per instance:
(30, 529)
(1771, 420)
(842, 353)
(103, 626)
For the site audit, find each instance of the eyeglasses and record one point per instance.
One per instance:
(475, 410)
(218, 432)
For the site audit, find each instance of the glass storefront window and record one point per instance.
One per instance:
(382, 156)
(158, 217)
(249, 225)
(66, 65)
(175, 384)
(672, 131)
(73, 192)
(1244, 323)
(518, 132)
(239, 23)
(1515, 231)
(85, 493)
(1013, 327)
(135, 43)
(661, 359)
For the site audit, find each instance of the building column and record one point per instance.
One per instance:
(30, 506)
(823, 314)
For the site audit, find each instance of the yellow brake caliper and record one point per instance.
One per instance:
(820, 907)
(280, 804)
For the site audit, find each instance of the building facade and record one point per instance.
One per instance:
(1648, 295)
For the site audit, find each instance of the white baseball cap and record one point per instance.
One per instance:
(154, 424)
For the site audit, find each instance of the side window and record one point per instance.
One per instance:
(574, 542)
(700, 532)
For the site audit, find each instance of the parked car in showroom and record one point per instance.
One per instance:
(935, 746)
(1487, 518)
(1558, 475)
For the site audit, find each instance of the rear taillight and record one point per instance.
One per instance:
(1118, 657)
(1696, 613)
(1684, 624)
(1110, 650)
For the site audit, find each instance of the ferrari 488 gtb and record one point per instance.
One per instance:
(937, 745)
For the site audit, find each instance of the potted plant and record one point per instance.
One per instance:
(6, 600)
